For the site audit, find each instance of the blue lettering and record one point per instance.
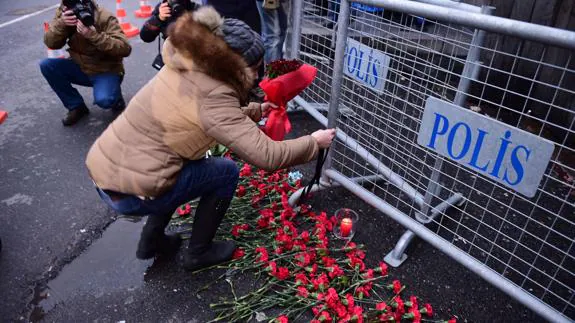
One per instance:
(349, 57)
(516, 164)
(466, 144)
(375, 78)
(477, 150)
(358, 70)
(501, 155)
(366, 77)
(436, 131)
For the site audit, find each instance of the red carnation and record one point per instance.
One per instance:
(342, 313)
(184, 210)
(335, 271)
(332, 298)
(396, 286)
(264, 256)
(368, 274)
(452, 320)
(301, 279)
(282, 319)
(382, 268)
(327, 261)
(416, 315)
(357, 314)
(428, 310)
(283, 273)
(261, 173)
(238, 253)
(303, 259)
(272, 267)
(350, 301)
(241, 191)
(413, 301)
(237, 229)
(399, 305)
(381, 306)
(302, 291)
(246, 171)
(325, 317)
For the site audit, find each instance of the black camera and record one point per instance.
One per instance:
(83, 9)
(176, 7)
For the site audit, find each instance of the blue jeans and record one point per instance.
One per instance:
(197, 178)
(62, 73)
(274, 28)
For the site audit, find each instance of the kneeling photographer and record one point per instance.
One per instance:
(165, 12)
(97, 46)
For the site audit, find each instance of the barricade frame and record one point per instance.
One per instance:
(466, 15)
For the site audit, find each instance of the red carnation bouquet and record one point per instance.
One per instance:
(284, 80)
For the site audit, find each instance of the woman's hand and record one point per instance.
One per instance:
(266, 106)
(324, 138)
(165, 11)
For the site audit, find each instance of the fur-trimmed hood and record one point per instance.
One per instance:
(194, 43)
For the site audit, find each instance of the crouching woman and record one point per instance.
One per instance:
(150, 160)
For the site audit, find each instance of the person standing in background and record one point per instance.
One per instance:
(274, 19)
(244, 10)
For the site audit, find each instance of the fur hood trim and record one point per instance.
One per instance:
(195, 45)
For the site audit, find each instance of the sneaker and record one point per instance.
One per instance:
(75, 115)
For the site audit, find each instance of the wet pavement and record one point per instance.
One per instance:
(67, 259)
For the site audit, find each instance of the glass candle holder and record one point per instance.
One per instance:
(346, 223)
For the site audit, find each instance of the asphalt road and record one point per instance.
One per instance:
(66, 260)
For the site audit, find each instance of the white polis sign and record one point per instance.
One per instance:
(510, 156)
(366, 65)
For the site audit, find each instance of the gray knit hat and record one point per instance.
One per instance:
(243, 40)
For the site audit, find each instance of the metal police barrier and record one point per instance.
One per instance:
(447, 115)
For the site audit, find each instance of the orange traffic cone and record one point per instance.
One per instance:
(54, 53)
(129, 29)
(145, 10)
(3, 116)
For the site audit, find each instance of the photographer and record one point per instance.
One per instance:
(97, 47)
(163, 15)
(151, 159)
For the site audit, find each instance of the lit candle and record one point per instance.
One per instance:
(345, 227)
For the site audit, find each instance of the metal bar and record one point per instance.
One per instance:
(297, 10)
(452, 4)
(470, 72)
(472, 64)
(294, 198)
(528, 31)
(392, 177)
(544, 310)
(337, 80)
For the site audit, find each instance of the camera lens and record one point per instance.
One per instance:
(86, 18)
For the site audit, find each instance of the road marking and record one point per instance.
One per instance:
(8, 23)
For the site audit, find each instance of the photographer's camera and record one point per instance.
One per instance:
(82, 9)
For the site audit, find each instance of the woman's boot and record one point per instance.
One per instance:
(154, 241)
(202, 252)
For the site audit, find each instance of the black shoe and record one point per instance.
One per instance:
(119, 106)
(154, 241)
(75, 115)
(202, 252)
(217, 252)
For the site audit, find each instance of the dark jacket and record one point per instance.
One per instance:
(101, 53)
(154, 26)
